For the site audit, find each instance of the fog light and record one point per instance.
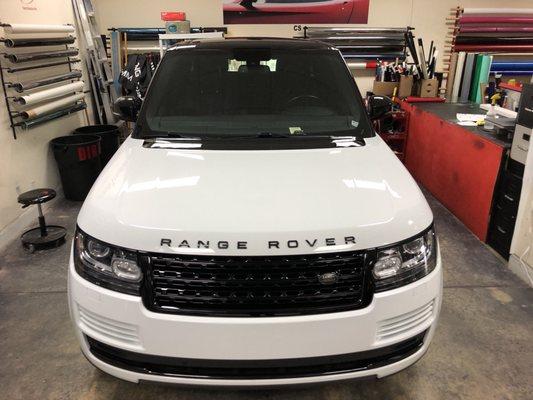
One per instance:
(125, 268)
(388, 264)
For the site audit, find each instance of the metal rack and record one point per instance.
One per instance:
(66, 59)
(362, 44)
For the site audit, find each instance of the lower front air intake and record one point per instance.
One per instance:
(255, 369)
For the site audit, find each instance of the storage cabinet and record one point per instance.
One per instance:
(504, 212)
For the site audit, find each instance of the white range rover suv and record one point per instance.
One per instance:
(253, 230)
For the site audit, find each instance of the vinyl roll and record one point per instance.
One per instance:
(41, 55)
(458, 76)
(504, 48)
(30, 123)
(37, 28)
(483, 40)
(44, 95)
(467, 77)
(364, 39)
(474, 86)
(451, 77)
(52, 64)
(21, 86)
(496, 29)
(370, 47)
(38, 42)
(514, 73)
(139, 34)
(52, 106)
(363, 65)
(496, 20)
(344, 31)
(483, 76)
(497, 11)
(511, 66)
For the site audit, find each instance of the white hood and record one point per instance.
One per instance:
(145, 195)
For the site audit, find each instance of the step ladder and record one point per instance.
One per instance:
(98, 66)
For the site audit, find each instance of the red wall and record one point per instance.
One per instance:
(457, 166)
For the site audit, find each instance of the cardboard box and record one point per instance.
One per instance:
(429, 87)
(406, 86)
(384, 88)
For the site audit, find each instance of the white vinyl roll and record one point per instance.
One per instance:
(52, 106)
(458, 76)
(500, 11)
(50, 93)
(37, 28)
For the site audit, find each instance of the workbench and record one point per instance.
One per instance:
(459, 165)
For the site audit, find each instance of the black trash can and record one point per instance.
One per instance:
(110, 139)
(78, 160)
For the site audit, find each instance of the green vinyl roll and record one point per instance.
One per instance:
(483, 77)
(474, 88)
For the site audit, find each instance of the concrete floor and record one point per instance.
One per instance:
(483, 348)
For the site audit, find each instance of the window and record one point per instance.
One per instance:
(246, 92)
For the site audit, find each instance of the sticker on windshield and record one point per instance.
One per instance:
(355, 124)
(296, 130)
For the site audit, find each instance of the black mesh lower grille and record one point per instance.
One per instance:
(256, 286)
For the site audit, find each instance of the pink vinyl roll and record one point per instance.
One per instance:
(496, 20)
(498, 11)
(489, 29)
(507, 48)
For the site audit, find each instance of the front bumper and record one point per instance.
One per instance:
(113, 327)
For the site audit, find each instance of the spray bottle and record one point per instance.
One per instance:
(489, 126)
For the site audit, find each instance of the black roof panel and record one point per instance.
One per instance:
(259, 42)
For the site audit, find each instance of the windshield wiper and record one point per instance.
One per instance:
(273, 135)
(171, 135)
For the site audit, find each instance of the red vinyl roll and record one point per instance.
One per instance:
(507, 48)
(496, 20)
(496, 29)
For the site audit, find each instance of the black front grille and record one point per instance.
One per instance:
(255, 286)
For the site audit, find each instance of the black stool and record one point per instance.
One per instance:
(45, 236)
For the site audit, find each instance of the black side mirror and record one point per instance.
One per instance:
(127, 108)
(378, 106)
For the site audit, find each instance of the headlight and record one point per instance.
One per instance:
(405, 262)
(105, 265)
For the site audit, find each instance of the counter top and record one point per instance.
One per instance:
(449, 111)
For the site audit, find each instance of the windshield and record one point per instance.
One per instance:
(252, 92)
